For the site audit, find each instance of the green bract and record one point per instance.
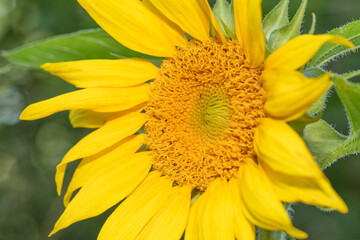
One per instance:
(282, 30)
(326, 144)
(224, 14)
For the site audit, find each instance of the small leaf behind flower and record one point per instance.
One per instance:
(330, 51)
(224, 14)
(325, 143)
(349, 93)
(85, 44)
(277, 18)
(222, 10)
(284, 34)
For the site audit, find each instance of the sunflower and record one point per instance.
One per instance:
(200, 145)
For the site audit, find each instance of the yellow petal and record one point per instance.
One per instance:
(82, 118)
(108, 187)
(280, 148)
(90, 166)
(159, 14)
(127, 221)
(315, 191)
(244, 229)
(248, 18)
(298, 51)
(262, 207)
(104, 73)
(207, 9)
(112, 132)
(192, 228)
(169, 223)
(290, 94)
(187, 14)
(240, 19)
(217, 212)
(96, 99)
(136, 26)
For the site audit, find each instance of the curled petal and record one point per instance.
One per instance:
(289, 94)
(298, 51)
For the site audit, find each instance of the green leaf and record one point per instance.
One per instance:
(330, 51)
(277, 18)
(284, 34)
(349, 93)
(323, 141)
(85, 44)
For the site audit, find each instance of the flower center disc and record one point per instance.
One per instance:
(203, 110)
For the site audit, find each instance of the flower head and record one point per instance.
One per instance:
(220, 157)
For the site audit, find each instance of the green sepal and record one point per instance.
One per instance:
(313, 72)
(284, 34)
(228, 33)
(318, 106)
(299, 124)
(195, 194)
(276, 18)
(222, 10)
(81, 45)
(330, 51)
(231, 24)
(224, 14)
(313, 24)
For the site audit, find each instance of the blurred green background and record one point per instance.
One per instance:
(30, 151)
